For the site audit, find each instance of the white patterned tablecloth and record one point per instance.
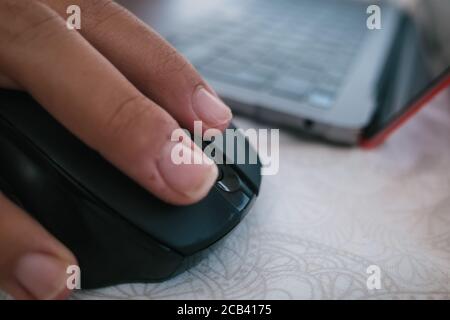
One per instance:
(328, 215)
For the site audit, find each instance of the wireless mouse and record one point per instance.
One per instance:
(118, 231)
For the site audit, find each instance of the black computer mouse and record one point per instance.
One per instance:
(118, 231)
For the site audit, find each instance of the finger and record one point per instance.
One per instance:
(150, 63)
(33, 264)
(7, 83)
(84, 91)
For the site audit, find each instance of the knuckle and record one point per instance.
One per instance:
(15, 6)
(26, 20)
(135, 124)
(134, 116)
(95, 7)
(126, 115)
(97, 12)
(171, 62)
(168, 65)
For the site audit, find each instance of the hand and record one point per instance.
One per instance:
(120, 88)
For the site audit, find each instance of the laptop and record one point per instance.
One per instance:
(312, 65)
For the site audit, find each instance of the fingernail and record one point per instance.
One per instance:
(192, 179)
(209, 108)
(43, 276)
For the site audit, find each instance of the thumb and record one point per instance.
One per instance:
(33, 264)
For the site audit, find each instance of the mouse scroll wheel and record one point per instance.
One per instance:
(228, 180)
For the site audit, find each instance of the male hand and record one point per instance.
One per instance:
(120, 88)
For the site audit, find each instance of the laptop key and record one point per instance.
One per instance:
(251, 79)
(327, 85)
(244, 78)
(304, 57)
(226, 65)
(292, 86)
(321, 99)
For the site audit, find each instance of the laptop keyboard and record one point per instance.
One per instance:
(295, 49)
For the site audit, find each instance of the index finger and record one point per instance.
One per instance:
(150, 63)
(90, 97)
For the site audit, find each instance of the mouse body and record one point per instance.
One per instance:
(119, 232)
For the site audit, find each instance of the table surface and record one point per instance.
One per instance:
(326, 217)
